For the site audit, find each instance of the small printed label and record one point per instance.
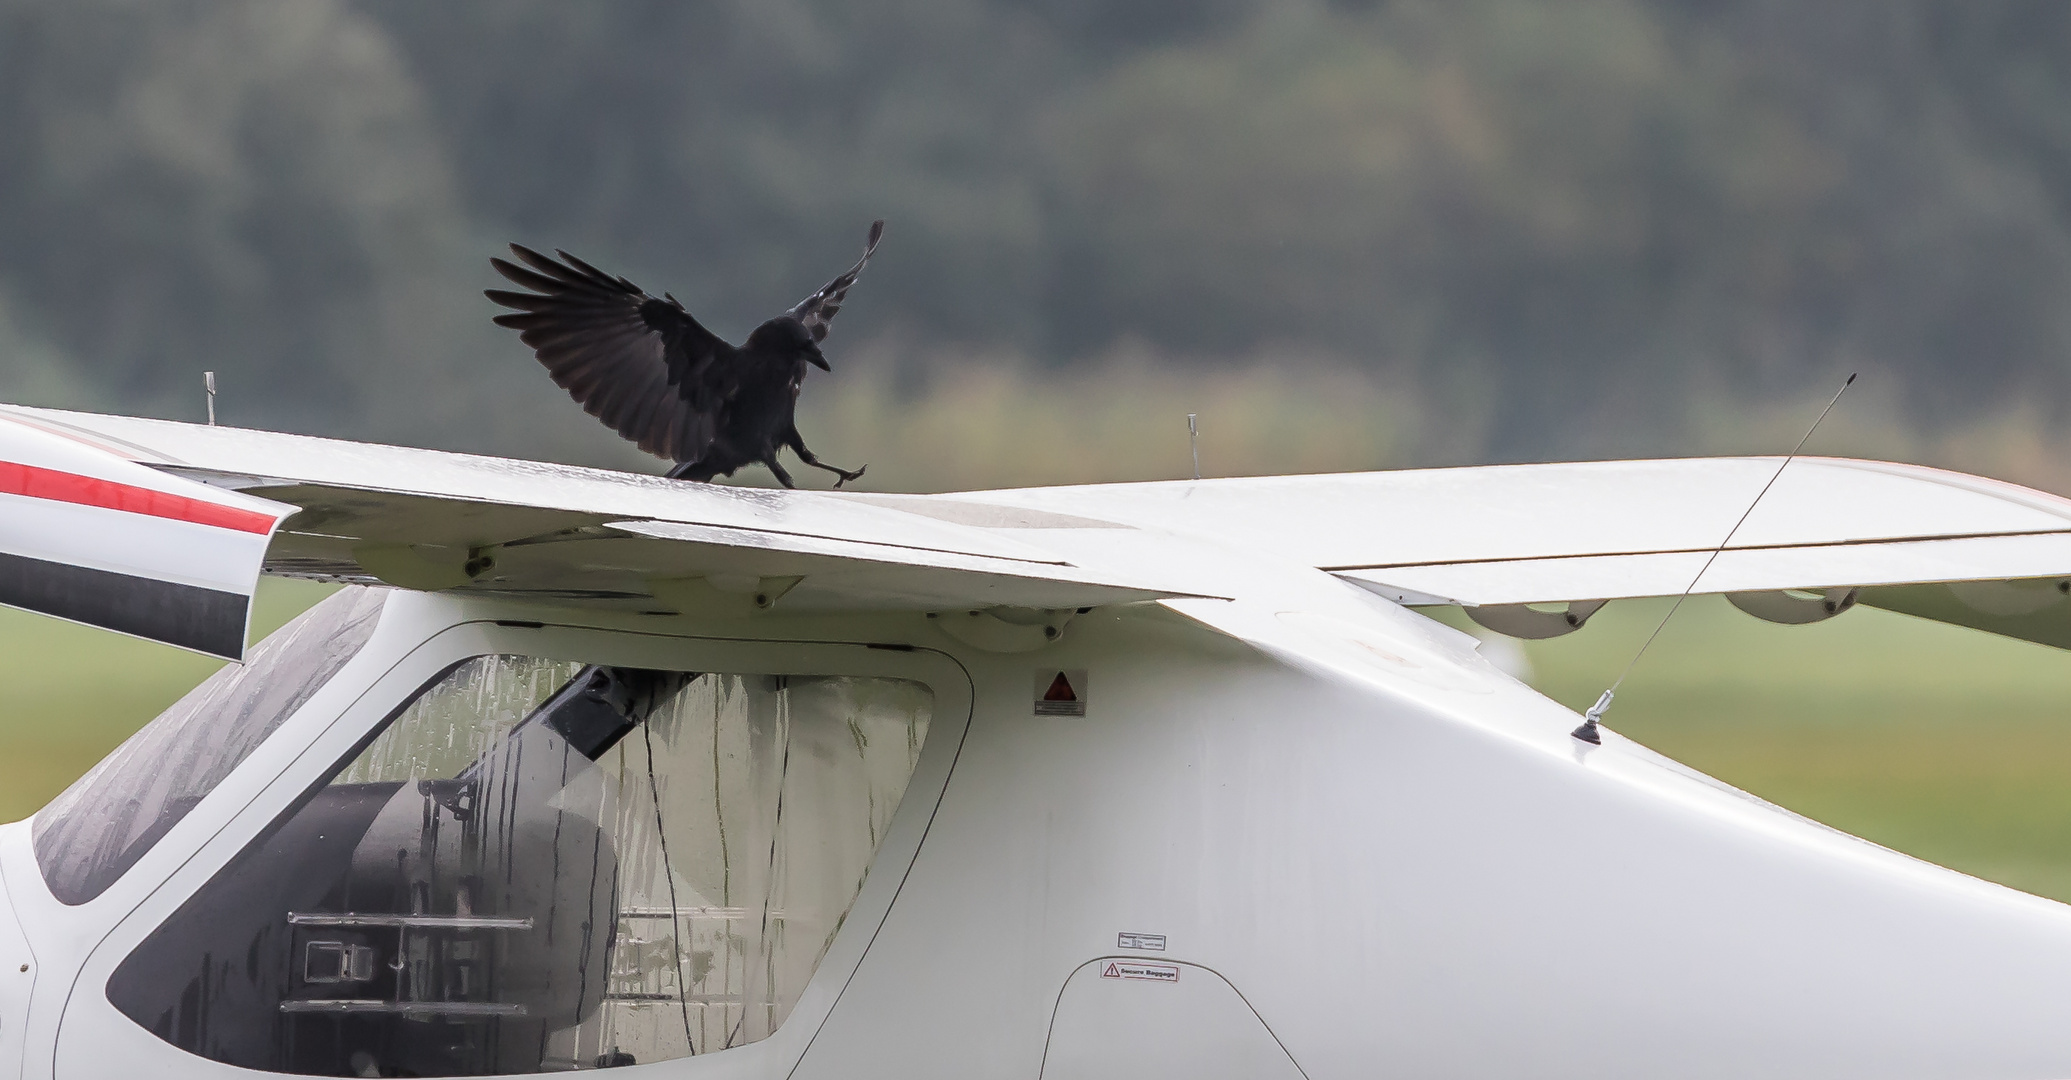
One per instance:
(1060, 693)
(1129, 969)
(1146, 942)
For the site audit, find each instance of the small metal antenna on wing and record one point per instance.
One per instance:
(1587, 732)
(1194, 444)
(208, 383)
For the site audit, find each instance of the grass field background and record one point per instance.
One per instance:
(69, 694)
(1945, 743)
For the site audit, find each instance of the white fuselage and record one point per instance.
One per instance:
(1363, 850)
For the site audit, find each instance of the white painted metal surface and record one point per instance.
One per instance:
(1611, 577)
(248, 459)
(1481, 536)
(432, 520)
(89, 536)
(1390, 854)
(1507, 512)
(837, 573)
(18, 973)
(1146, 1018)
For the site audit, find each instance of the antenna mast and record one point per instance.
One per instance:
(208, 383)
(1193, 443)
(1587, 732)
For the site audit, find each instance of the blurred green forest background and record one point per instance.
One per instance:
(1348, 235)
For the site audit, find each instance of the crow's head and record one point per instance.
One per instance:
(786, 338)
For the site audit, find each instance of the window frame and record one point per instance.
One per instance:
(92, 1029)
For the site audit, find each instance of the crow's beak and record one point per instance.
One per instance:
(813, 357)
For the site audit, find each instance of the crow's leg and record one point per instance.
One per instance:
(692, 470)
(797, 444)
(777, 470)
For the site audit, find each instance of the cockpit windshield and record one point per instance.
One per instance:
(539, 865)
(98, 828)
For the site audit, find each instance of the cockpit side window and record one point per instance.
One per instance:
(537, 866)
(98, 828)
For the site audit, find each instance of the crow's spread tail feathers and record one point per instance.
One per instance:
(817, 311)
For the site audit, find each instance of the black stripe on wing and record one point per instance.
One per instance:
(641, 365)
(817, 311)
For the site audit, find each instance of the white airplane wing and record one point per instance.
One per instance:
(1492, 539)
(1942, 545)
(88, 536)
(427, 519)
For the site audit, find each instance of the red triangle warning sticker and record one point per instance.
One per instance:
(1059, 693)
(1112, 971)
(1060, 690)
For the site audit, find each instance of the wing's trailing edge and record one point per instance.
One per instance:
(1941, 545)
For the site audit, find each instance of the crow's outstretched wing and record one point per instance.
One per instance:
(817, 311)
(640, 364)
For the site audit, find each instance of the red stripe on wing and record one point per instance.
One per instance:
(39, 483)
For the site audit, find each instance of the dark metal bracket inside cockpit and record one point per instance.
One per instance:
(592, 711)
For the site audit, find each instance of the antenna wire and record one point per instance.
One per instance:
(1587, 732)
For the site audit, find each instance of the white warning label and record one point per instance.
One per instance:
(1147, 942)
(1130, 969)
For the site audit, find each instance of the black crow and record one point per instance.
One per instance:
(650, 372)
